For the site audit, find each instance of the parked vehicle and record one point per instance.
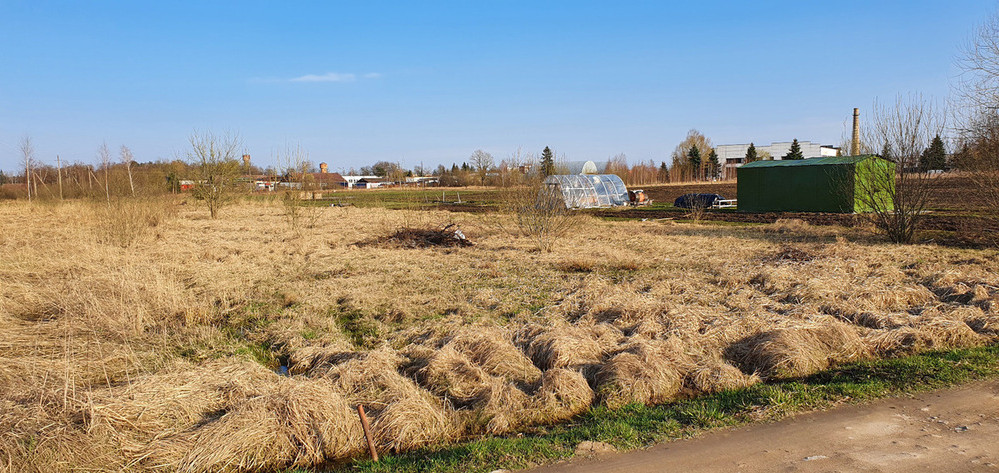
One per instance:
(689, 201)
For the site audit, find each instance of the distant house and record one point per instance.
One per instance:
(264, 184)
(328, 180)
(351, 181)
(371, 183)
(422, 181)
(261, 182)
(186, 185)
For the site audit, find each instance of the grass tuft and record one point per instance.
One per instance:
(635, 425)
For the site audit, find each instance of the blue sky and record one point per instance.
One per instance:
(430, 82)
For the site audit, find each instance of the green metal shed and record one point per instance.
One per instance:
(832, 184)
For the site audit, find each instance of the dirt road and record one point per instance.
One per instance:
(950, 430)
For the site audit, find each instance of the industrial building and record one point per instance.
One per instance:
(733, 156)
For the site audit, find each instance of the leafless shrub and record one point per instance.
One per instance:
(698, 208)
(896, 195)
(540, 214)
(296, 199)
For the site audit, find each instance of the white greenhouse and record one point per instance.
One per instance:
(586, 191)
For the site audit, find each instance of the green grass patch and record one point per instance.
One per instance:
(635, 426)
(359, 328)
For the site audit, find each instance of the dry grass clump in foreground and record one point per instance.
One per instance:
(227, 418)
(646, 372)
(164, 355)
(797, 351)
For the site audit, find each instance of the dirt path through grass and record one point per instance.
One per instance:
(954, 429)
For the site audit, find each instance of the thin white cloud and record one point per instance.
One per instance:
(327, 77)
(335, 77)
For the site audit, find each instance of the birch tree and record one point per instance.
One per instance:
(28, 154)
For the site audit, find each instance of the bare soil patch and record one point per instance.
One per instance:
(949, 430)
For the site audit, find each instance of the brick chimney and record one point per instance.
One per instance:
(324, 168)
(855, 141)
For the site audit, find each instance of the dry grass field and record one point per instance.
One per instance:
(164, 354)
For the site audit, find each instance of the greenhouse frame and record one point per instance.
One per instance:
(842, 184)
(586, 191)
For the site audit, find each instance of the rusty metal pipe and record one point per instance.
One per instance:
(367, 432)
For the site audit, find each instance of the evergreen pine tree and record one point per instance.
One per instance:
(663, 172)
(713, 162)
(3, 178)
(795, 152)
(751, 154)
(934, 157)
(547, 162)
(465, 167)
(454, 168)
(694, 158)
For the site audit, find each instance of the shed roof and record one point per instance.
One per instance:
(827, 161)
(328, 177)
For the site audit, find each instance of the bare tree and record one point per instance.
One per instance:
(28, 154)
(617, 165)
(104, 156)
(978, 86)
(216, 165)
(483, 162)
(977, 112)
(896, 196)
(126, 159)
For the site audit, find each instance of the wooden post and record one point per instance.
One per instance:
(367, 432)
(59, 165)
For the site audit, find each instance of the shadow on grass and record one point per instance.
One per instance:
(636, 426)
